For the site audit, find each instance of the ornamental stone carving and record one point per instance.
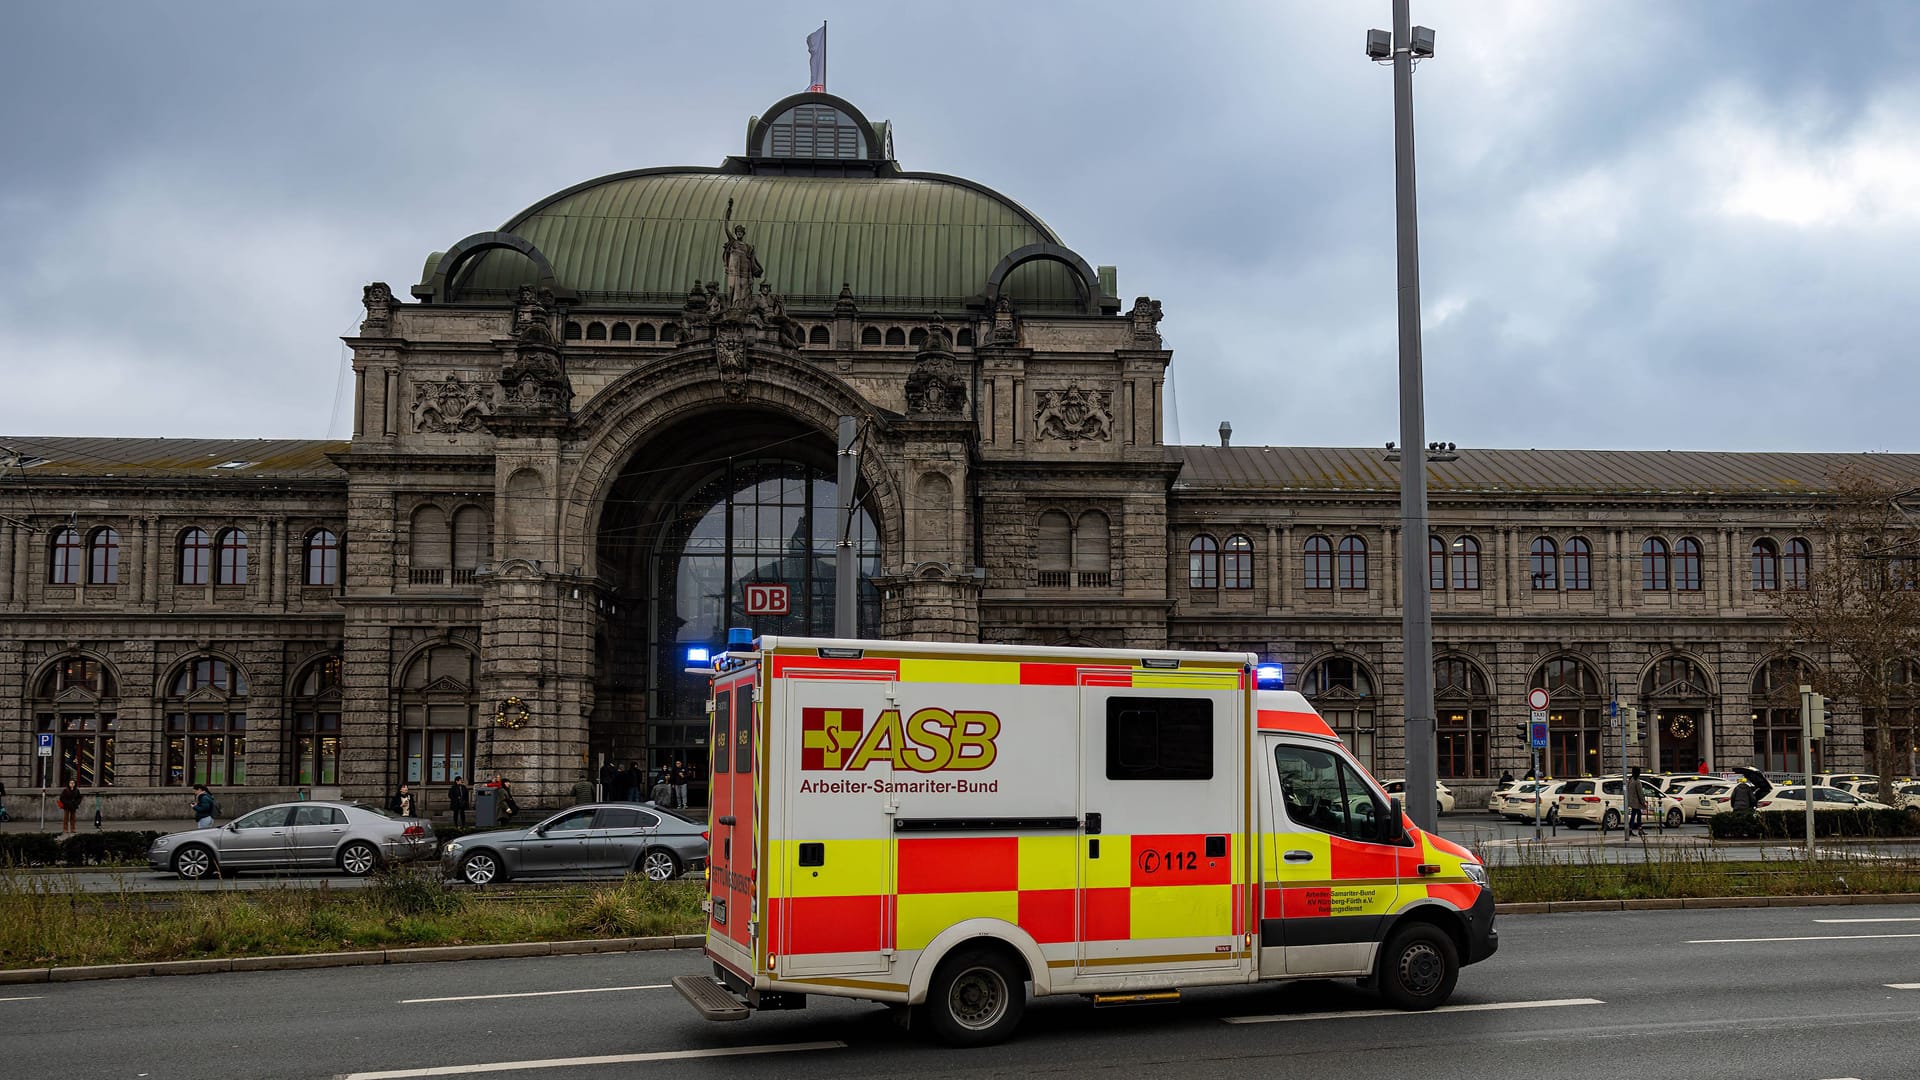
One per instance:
(1146, 322)
(378, 300)
(935, 385)
(534, 379)
(451, 405)
(1005, 330)
(1074, 415)
(731, 355)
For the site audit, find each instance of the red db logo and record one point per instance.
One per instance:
(767, 599)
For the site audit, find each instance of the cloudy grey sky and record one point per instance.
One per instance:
(1643, 224)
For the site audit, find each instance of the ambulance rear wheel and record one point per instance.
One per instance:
(1418, 967)
(976, 998)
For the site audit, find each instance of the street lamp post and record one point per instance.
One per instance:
(1416, 628)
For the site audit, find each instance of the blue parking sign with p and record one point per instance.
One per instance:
(46, 744)
(1537, 734)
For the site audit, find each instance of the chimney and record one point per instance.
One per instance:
(1226, 433)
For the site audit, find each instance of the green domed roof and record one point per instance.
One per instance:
(912, 240)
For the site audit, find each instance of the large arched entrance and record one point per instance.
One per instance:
(705, 507)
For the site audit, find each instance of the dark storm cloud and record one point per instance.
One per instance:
(1642, 225)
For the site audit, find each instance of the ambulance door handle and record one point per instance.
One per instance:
(1093, 824)
(1298, 856)
(1093, 848)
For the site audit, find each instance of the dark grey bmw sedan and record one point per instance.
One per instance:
(600, 840)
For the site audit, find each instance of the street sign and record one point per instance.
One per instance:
(766, 599)
(45, 747)
(1537, 700)
(1537, 731)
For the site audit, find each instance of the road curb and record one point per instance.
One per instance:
(362, 958)
(1692, 903)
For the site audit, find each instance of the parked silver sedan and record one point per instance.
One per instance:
(601, 840)
(296, 835)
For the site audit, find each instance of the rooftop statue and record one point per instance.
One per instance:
(742, 266)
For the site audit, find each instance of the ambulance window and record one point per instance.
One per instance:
(722, 728)
(1324, 793)
(743, 738)
(1159, 738)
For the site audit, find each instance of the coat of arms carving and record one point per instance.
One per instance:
(1074, 415)
(451, 405)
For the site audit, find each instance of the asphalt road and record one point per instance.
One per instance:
(1780, 993)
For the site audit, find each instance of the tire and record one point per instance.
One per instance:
(1610, 819)
(194, 862)
(1675, 818)
(1418, 967)
(658, 864)
(359, 858)
(976, 998)
(1571, 824)
(481, 868)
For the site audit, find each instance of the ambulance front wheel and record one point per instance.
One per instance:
(976, 998)
(1418, 967)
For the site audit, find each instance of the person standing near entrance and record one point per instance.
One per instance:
(1703, 766)
(680, 777)
(70, 799)
(458, 796)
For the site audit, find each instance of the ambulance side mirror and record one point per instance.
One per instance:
(1396, 822)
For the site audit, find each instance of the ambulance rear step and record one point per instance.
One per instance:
(1147, 997)
(713, 1001)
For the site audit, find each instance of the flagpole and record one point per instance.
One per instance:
(823, 56)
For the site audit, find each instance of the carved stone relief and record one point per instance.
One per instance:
(378, 300)
(1074, 415)
(1146, 322)
(451, 405)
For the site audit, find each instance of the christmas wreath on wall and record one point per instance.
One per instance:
(512, 713)
(1681, 727)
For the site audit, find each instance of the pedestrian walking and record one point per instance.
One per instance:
(204, 807)
(680, 777)
(636, 781)
(402, 802)
(611, 789)
(508, 808)
(1703, 766)
(69, 800)
(459, 796)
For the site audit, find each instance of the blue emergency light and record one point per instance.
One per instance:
(1270, 677)
(739, 639)
(699, 654)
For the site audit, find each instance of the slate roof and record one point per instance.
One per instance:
(1252, 469)
(247, 459)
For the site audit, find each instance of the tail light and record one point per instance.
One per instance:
(415, 830)
(704, 836)
(1589, 798)
(1762, 802)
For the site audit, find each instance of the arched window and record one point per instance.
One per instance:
(1317, 566)
(196, 557)
(1053, 550)
(313, 751)
(870, 336)
(918, 337)
(1686, 565)
(1544, 564)
(813, 130)
(896, 337)
(596, 331)
(643, 332)
(233, 557)
(1766, 566)
(1896, 732)
(64, 558)
(1653, 565)
(1776, 714)
(1579, 565)
(103, 557)
(1353, 563)
(77, 701)
(1466, 564)
(1203, 563)
(438, 707)
(429, 546)
(669, 332)
(1573, 715)
(622, 332)
(1341, 691)
(1092, 551)
(1679, 702)
(206, 710)
(1436, 564)
(819, 335)
(1798, 565)
(1236, 567)
(322, 558)
(470, 527)
(1464, 709)
(573, 330)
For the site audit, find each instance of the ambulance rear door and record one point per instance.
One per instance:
(1163, 810)
(733, 832)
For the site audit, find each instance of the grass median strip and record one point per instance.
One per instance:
(49, 924)
(1546, 874)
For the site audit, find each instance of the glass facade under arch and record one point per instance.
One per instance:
(766, 520)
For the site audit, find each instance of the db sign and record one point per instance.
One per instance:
(763, 599)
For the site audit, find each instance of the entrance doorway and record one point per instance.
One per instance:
(1680, 739)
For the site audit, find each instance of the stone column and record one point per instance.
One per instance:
(7, 530)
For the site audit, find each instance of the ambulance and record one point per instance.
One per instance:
(952, 828)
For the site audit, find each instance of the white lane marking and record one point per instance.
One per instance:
(604, 1059)
(1903, 986)
(1829, 937)
(535, 993)
(1280, 1018)
(26, 997)
(1908, 919)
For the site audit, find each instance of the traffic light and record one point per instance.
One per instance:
(1814, 706)
(1630, 716)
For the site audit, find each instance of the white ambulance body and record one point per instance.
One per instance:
(945, 826)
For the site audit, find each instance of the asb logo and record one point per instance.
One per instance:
(931, 740)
